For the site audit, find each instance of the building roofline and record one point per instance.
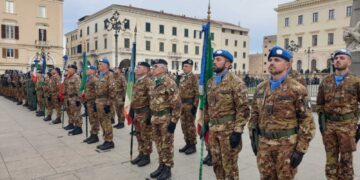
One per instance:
(131, 8)
(297, 4)
(70, 32)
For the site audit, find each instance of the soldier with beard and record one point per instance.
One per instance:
(281, 116)
(226, 114)
(337, 104)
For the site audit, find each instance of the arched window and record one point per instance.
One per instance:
(313, 65)
(299, 65)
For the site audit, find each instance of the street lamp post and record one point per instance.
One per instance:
(115, 24)
(309, 51)
(331, 63)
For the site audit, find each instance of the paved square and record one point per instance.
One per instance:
(32, 149)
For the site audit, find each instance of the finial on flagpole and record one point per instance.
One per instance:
(209, 11)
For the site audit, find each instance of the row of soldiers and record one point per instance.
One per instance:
(280, 120)
(19, 87)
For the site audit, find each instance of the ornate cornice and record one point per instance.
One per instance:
(299, 4)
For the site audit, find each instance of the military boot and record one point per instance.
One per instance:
(77, 130)
(69, 127)
(19, 103)
(112, 121)
(106, 145)
(40, 113)
(183, 149)
(191, 149)
(119, 125)
(206, 159)
(144, 161)
(48, 118)
(26, 104)
(158, 171)
(165, 174)
(137, 159)
(94, 139)
(56, 121)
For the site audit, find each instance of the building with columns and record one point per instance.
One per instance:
(174, 38)
(316, 27)
(29, 27)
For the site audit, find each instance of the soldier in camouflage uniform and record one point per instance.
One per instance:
(337, 104)
(70, 125)
(226, 115)
(53, 96)
(40, 94)
(105, 92)
(89, 100)
(47, 96)
(73, 99)
(142, 119)
(189, 93)
(120, 86)
(165, 107)
(281, 116)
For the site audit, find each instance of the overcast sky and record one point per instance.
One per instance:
(257, 15)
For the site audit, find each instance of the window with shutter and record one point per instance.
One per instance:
(3, 53)
(16, 54)
(17, 32)
(3, 32)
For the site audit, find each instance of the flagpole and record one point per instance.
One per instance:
(132, 78)
(203, 93)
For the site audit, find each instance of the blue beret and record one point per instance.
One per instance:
(342, 52)
(105, 60)
(277, 51)
(92, 67)
(224, 53)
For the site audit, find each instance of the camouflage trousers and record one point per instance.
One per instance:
(339, 141)
(223, 156)
(143, 133)
(74, 111)
(53, 103)
(40, 100)
(94, 122)
(273, 158)
(119, 108)
(104, 119)
(188, 124)
(163, 139)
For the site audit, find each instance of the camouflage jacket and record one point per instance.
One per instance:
(72, 86)
(38, 86)
(189, 88)
(229, 98)
(297, 76)
(120, 86)
(141, 97)
(90, 93)
(285, 108)
(165, 95)
(105, 87)
(339, 100)
(54, 85)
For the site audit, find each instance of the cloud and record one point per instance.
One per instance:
(257, 15)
